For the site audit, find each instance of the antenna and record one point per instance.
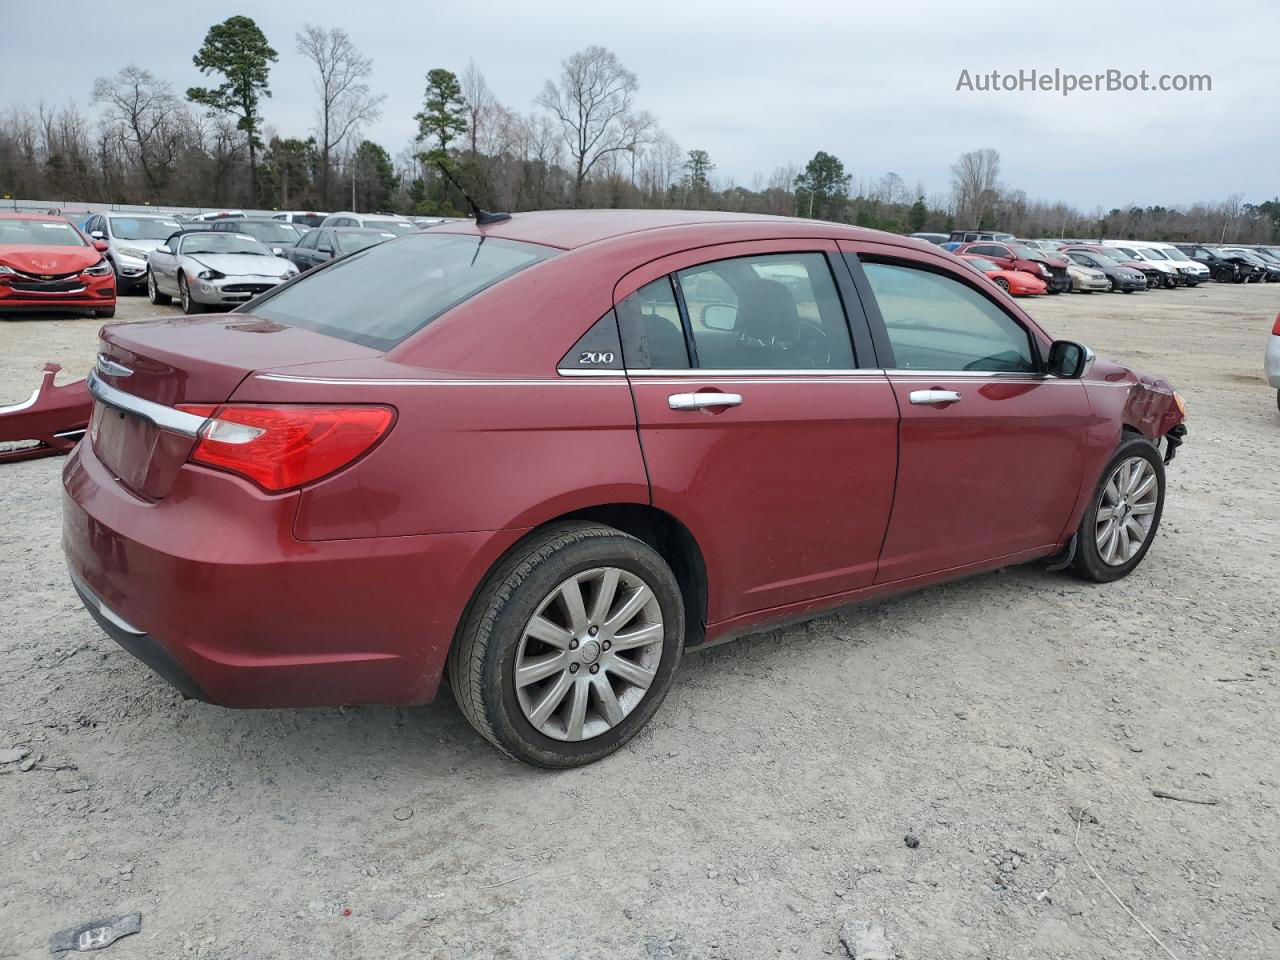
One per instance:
(483, 217)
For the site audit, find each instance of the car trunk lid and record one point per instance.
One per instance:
(146, 370)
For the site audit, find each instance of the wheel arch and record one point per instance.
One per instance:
(657, 528)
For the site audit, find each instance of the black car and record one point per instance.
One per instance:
(1222, 267)
(325, 243)
(275, 235)
(1269, 265)
(1125, 279)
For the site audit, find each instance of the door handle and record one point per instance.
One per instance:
(930, 397)
(701, 401)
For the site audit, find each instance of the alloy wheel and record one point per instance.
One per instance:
(184, 294)
(589, 654)
(1125, 511)
(151, 287)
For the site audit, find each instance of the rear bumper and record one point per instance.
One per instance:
(210, 588)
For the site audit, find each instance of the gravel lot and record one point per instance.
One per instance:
(766, 804)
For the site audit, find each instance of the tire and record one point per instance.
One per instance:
(1111, 285)
(1002, 283)
(105, 313)
(189, 305)
(153, 291)
(1126, 291)
(1105, 562)
(498, 634)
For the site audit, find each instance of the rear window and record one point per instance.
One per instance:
(379, 296)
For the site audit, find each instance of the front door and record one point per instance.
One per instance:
(992, 448)
(760, 429)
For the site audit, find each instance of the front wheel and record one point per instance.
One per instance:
(104, 313)
(570, 646)
(1002, 283)
(153, 291)
(189, 305)
(1117, 529)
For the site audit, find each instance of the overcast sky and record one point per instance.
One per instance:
(759, 85)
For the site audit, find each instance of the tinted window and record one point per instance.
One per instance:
(381, 295)
(937, 323)
(309, 241)
(988, 250)
(774, 312)
(652, 335)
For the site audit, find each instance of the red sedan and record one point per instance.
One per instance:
(541, 457)
(47, 264)
(1016, 283)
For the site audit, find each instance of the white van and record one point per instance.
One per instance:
(1133, 250)
(1194, 272)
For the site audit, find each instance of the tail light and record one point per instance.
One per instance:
(283, 446)
(1275, 328)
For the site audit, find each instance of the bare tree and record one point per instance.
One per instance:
(480, 105)
(593, 104)
(142, 113)
(345, 100)
(975, 183)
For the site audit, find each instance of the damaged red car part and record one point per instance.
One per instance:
(48, 423)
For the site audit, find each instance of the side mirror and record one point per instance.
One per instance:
(101, 246)
(1068, 359)
(163, 248)
(98, 235)
(277, 251)
(720, 316)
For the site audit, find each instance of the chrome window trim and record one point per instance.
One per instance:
(166, 418)
(459, 382)
(702, 373)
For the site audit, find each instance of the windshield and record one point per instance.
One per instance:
(1153, 254)
(276, 233)
(379, 296)
(308, 219)
(981, 263)
(1131, 253)
(1103, 261)
(40, 233)
(351, 242)
(194, 243)
(1173, 253)
(395, 226)
(1024, 252)
(142, 228)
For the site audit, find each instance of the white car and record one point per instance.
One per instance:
(130, 238)
(375, 221)
(303, 218)
(1272, 362)
(1132, 250)
(1194, 272)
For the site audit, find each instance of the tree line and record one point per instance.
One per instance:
(585, 143)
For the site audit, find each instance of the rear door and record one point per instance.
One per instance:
(761, 430)
(991, 447)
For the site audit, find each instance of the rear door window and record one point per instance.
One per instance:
(772, 312)
(652, 333)
(381, 295)
(935, 322)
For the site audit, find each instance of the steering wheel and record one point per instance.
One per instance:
(812, 345)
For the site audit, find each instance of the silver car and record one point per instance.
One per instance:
(130, 237)
(205, 268)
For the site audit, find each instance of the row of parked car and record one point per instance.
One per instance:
(226, 258)
(1032, 267)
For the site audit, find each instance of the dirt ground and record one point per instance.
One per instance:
(767, 803)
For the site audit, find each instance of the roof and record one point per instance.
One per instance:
(568, 229)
